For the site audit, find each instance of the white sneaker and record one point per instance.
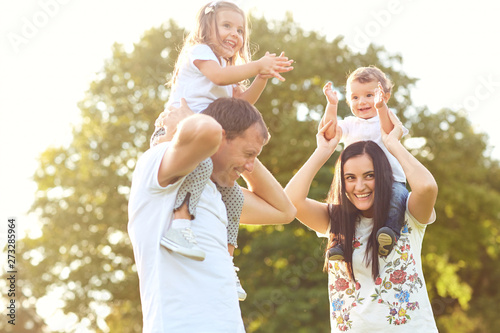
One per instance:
(182, 241)
(242, 294)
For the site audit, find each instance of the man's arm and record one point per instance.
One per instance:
(265, 200)
(196, 138)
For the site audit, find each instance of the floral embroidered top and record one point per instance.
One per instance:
(397, 301)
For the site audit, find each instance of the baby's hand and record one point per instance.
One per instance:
(379, 96)
(271, 66)
(331, 95)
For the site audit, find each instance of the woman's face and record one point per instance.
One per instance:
(359, 179)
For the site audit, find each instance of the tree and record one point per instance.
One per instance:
(462, 248)
(83, 189)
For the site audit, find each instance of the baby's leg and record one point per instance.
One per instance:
(388, 235)
(397, 209)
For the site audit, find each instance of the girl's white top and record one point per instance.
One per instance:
(193, 86)
(396, 301)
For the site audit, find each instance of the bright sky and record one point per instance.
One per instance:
(51, 49)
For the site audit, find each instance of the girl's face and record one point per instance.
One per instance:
(359, 178)
(231, 28)
(361, 98)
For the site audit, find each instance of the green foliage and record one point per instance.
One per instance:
(83, 191)
(466, 234)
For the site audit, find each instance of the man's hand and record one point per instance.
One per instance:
(169, 119)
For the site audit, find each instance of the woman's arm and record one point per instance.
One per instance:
(310, 212)
(423, 185)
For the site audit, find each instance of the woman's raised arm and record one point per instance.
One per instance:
(310, 212)
(424, 188)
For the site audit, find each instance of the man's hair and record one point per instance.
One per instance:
(343, 214)
(236, 116)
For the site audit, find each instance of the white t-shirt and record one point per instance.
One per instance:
(179, 294)
(355, 129)
(397, 301)
(195, 87)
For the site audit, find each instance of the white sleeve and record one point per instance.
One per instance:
(202, 52)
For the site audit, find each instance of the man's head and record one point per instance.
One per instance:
(245, 133)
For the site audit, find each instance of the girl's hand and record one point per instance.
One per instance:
(379, 96)
(323, 143)
(330, 94)
(396, 133)
(272, 66)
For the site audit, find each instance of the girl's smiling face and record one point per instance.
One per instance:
(359, 179)
(230, 34)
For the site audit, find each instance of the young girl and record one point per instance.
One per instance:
(214, 62)
(368, 91)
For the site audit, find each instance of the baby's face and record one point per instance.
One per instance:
(361, 97)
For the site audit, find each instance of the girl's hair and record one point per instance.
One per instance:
(344, 215)
(202, 33)
(370, 74)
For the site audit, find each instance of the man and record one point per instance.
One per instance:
(179, 294)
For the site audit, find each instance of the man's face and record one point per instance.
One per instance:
(237, 156)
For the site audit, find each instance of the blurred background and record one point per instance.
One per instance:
(82, 82)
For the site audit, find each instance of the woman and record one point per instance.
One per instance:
(367, 292)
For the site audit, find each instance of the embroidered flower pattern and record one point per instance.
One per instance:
(341, 290)
(394, 288)
(400, 281)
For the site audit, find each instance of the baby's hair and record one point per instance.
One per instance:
(370, 74)
(206, 20)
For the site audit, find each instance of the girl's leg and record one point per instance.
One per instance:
(192, 187)
(179, 237)
(233, 199)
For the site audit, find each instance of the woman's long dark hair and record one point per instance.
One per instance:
(344, 215)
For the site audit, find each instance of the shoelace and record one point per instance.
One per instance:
(188, 234)
(236, 270)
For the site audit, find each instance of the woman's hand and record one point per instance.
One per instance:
(396, 133)
(323, 143)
